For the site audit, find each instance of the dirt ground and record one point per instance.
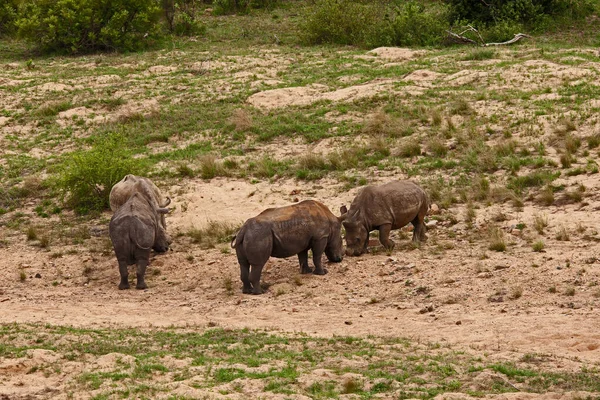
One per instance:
(452, 289)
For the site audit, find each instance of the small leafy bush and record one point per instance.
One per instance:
(180, 17)
(77, 26)
(85, 177)
(222, 7)
(373, 23)
(8, 16)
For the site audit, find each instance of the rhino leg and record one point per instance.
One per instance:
(140, 274)
(420, 229)
(255, 278)
(318, 248)
(384, 236)
(245, 275)
(124, 275)
(303, 259)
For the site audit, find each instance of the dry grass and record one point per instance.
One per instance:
(540, 221)
(516, 293)
(210, 167)
(562, 234)
(241, 120)
(545, 196)
(213, 233)
(497, 240)
(538, 246)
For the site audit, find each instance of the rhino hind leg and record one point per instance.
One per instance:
(140, 275)
(245, 276)
(317, 249)
(124, 284)
(420, 229)
(384, 236)
(303, 259)
(255, 278)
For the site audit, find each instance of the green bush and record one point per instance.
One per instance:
(222, 7)
(373, 24)
(180, 16)
(76, 26)
(345, 22)
(85, 178)
(415, 24)
(8, 16)
(533, 13)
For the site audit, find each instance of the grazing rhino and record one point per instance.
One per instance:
(136, 227)
(386, 207)
(122, 191)
(286, 231)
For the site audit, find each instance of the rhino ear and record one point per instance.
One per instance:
(343, 212)
(162, 210)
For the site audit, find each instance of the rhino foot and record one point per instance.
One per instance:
(321, 271)
(247, 290)
(123, 286)
(141, 286)
(306, 271)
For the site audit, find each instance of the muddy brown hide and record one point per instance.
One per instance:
(385, 207)
(135, 228)
(284, 232)
(130, 184)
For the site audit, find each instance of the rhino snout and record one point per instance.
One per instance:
(353, 252)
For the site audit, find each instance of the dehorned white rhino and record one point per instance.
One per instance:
(286, 231)
(385, 207)
(137, 226)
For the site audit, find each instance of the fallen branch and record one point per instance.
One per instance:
(460, 38)
(517, 37)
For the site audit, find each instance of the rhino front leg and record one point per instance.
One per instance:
(255, 278)
(384, 236)
(124, 275)
(141, 274)
(317, 249)
(303, 259)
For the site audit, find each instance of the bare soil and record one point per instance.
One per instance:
(452, 289)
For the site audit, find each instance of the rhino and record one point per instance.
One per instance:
(122, 191)
(286, 231)
(137, 226)
(385, 207)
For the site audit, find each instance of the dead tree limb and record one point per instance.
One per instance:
(462, 39)
(517, 37)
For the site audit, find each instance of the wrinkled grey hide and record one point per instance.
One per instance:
(286, 231)
(135, 228)
(385, 207)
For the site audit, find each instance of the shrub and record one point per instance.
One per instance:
(77, 26)
(415, 24)
(85, 177)
(222, 7)
(375, 23)
(8, 16)
(180, 16)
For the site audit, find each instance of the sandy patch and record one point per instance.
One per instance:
(303, 96)
(52, 87)
(423, 77)
(160, 70)
(396, 53)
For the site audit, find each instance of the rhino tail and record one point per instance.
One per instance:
(240, 234)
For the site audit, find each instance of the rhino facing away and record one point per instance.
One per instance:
(130, 184)
(385, 207)
(135, 228)
(284, 232)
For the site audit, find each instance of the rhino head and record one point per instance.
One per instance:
(335, 246)
(161, 240)
(357, 236)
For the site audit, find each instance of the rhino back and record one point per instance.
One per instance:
(396, 202)
(289, 230)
